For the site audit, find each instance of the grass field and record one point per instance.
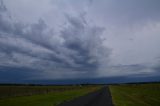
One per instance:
(53, 97)
(14, 91)
(136, 95)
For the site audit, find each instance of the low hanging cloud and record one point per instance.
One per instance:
(84, 39)
(76, 49)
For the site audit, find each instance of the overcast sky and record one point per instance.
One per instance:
(63, 39)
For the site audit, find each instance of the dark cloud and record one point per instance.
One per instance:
(71, 44)
(85, 41)
(15, 74)
(77, 47)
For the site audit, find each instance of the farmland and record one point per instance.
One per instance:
(41, 95)
(136, 94)
(121, 95)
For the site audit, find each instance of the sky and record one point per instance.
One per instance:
(79, 39)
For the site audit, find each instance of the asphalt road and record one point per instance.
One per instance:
(100, 97)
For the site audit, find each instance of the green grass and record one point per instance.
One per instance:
(14, 91)
(136, 95)
(49, 99)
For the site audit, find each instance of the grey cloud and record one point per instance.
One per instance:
(126, 11)
(86, 41)
(133, 70)
(2, 6)
(77, 47)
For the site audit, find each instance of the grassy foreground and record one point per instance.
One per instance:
(48, 99)
(136, 95)
(28, 90)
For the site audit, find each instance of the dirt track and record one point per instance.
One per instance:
(101, 97)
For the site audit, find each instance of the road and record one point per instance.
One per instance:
(100, 97)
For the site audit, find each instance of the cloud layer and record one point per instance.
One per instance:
(76, 49)
(83, 39)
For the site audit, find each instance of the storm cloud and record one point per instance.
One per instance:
(77, 47)
(79, 39)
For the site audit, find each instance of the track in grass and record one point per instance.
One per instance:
(100, 97)
(57, 96)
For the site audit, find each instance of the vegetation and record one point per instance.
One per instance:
(136, 94)
(57, 95)
(24, 90)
